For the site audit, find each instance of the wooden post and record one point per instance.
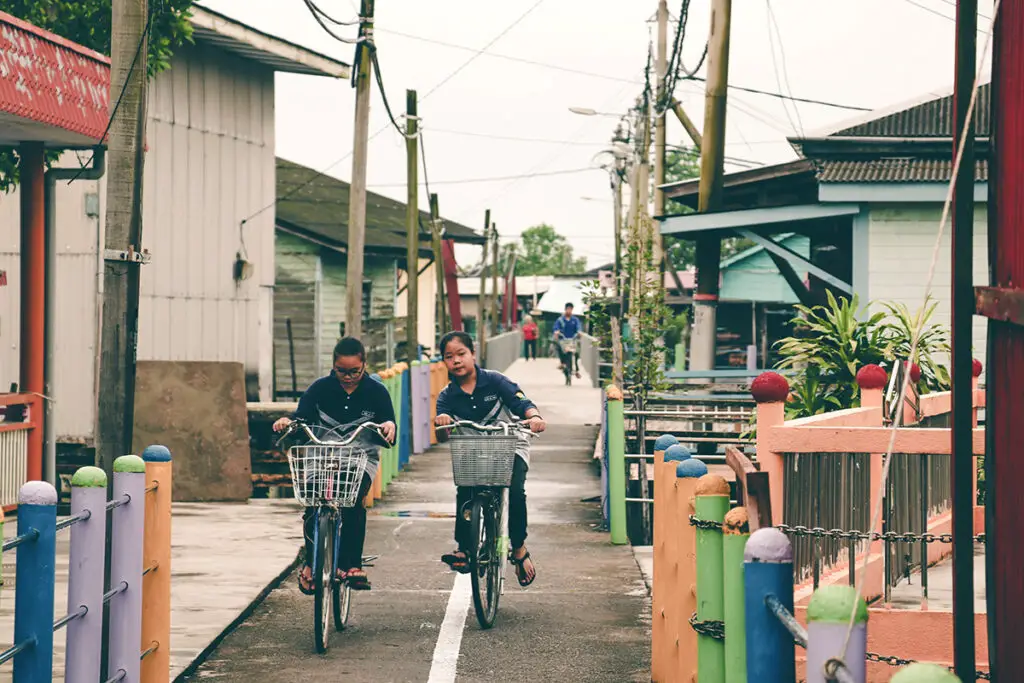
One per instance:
(872, 380)
(661, 102)
(753, 489)
(494, 277)
(736, 530)
(712, 502)
(481, 312)
(663, 542)
(684, 591)
(770, 390)
(33, 293)
(156, 562)
(435, 232)
(412, 225)
(828, 623)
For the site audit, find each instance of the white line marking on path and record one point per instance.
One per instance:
(449, 639)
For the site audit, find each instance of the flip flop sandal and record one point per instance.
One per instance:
(524, 581)
(358, 582)
(302, 586)
(456, 563)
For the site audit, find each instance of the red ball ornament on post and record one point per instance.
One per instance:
(915, 373)
(872, 377)
(976, 367)
(769, 387)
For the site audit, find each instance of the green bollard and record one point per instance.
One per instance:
(680, 362)
(616, 468)
(736, 531)
(386, 454)
(925, 673)
(711, 504)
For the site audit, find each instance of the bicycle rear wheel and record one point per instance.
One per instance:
(323, 579)
(485, 563)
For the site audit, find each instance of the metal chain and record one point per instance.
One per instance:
(896, 661)
(891, 536)
(705, 523)
(711, 629)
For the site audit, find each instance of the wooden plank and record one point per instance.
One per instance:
(752, 488)
(919, 440)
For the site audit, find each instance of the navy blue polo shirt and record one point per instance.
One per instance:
(327, 403)
(493, 392)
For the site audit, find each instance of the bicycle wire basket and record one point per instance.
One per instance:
(483, 459)
(327, 474)
(567, 345)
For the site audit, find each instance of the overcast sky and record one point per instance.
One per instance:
(869, 53)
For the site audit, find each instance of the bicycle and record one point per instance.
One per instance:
(483, 462)
(568, 349)
(326, 475)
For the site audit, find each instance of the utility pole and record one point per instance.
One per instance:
(661, 105)
(357, 189)
(481, 314)
(709, 247)
(494, 276)
(412, 226)
(435, 231)
(122, 246)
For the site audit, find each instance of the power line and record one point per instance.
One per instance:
(434, 89)
(805, 100)
(493, 179)
(553, 141)
(774, 23)
(937, 13)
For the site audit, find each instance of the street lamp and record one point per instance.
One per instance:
(587, 111)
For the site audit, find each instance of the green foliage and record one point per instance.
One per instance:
(832, 343)
(88, 23)
(644, 370)
(542, 251)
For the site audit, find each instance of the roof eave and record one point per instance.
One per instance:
(279, 54)
(690, 187)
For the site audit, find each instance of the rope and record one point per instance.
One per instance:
(876, 514)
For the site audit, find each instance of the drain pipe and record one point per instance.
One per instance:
(50, 325)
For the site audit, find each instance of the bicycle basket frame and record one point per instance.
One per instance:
(567, 345)
(327, 475)
(483, 459)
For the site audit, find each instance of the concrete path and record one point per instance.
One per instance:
(585, 618)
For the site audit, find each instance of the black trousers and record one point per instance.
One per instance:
(567, 358)
(353, 531)
(530, 346)
(516, 510)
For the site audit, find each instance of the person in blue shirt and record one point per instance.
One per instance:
(483, 396)
(342, 401)
(568, 326)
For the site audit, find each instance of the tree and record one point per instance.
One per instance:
(88, 23)
(542, 251)
(684, 164)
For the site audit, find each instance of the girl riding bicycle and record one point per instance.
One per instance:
(483, 396)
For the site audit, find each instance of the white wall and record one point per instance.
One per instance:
(427, 295)
(901, 242)
(210, 163)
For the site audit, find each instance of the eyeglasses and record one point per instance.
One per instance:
(346, 372)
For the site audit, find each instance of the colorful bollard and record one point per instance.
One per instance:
(156, 562)
(127, 527)
(768, 570)
(692, 469)
(616, 468)
(85, 576)
(35, 570)
(828, 623)
(925, 673)
(736, 532)
(711, 504)
(677, 453)
(664, 442)
(406, 450)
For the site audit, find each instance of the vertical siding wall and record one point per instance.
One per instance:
(901, 241)
(210, 163)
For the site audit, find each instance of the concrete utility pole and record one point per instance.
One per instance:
(481, 314)
(412, 226)
(494, 276)
(435, 231)
(709, 247)
(123, 245)
(661, 105)
(357, 189)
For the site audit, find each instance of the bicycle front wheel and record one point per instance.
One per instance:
(485, 564)
(342, 595)
(323, 570)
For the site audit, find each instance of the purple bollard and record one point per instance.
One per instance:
(127, 529)
(425, 403)
(416, 405)
(85, 576)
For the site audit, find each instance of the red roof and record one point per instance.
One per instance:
(46, 79)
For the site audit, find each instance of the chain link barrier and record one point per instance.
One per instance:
(897, 661)
(711, 629)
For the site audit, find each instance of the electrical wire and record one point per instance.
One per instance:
(316, 10)
(793, 98)
(432, 90)
(319, 17)
(493, 179)
(124, 89)
(773, 23)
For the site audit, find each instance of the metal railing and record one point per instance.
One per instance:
(16, 430)
(590, 357)
(503, 350)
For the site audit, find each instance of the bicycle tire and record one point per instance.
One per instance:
(485, 563)
(323, 583)
(342, 595)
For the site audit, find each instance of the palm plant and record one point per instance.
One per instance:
(933, 341)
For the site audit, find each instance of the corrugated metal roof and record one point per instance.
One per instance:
(50, 80)
(561, 292)
(320, 207)
(933, 118)
(233, 36)
(909, 170)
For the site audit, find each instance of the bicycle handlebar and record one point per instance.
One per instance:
(501, 426)
(295, 425)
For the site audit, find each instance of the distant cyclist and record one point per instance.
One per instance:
(568, 326)
(483, 396)
(341, 401)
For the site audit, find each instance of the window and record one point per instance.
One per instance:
(367, 298)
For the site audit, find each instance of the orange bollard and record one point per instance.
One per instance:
(156, 563)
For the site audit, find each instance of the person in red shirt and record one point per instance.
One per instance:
(530, 334)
